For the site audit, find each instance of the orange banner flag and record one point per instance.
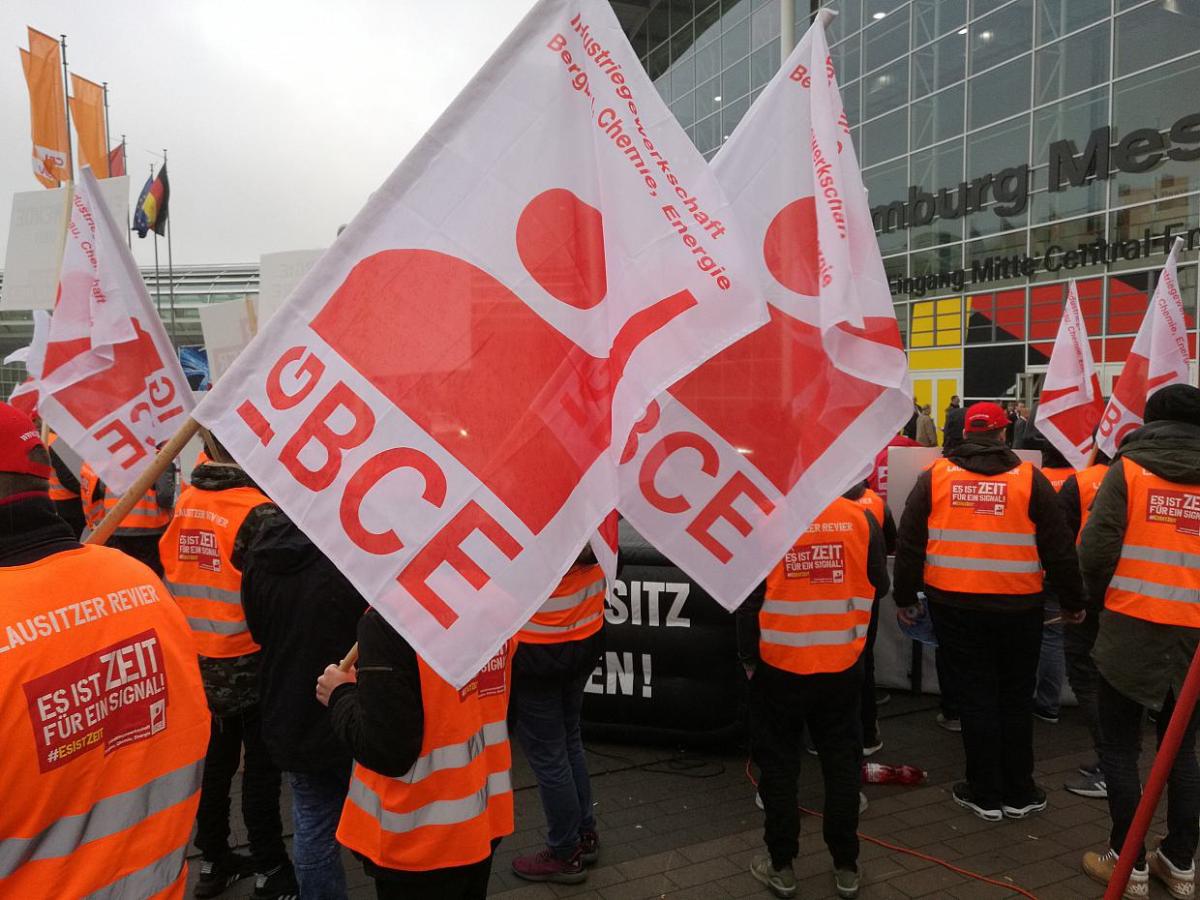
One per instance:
(87, 112)
(47, 110)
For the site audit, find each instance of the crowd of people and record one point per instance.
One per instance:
(203, 640)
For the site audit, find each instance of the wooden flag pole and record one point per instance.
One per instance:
(166, 456)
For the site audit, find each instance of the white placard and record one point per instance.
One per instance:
(227, 328)
(36, 234)
(278, 275)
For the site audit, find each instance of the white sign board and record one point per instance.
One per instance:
(36, 235)
(906, 463)
(278, 275)
(227, 328)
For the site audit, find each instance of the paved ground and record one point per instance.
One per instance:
(684, 825)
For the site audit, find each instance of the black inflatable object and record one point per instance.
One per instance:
(669, 674)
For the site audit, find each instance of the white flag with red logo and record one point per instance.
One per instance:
(441, 402)
(110, 383)
(735, 460)
(1159, 357)
(1071, 403)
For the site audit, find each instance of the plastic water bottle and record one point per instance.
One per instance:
(881, 773)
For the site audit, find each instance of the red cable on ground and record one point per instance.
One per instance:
(1185, 703)
(967, 873)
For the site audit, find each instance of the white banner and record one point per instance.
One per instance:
(1159, 357)
(227, 328)
(278, 276)
(37, 231)
(111, 385)
(733, 463)
(438, 402)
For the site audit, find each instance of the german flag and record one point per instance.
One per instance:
(151, 210)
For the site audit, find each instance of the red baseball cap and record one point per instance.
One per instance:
(18, 439)
(985, 417)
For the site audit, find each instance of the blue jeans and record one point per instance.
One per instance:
(317, 799)
(1052, 664)
(547, 725)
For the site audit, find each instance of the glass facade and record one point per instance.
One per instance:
(194, 286)
(964, 106)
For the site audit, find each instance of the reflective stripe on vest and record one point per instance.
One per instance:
(981, 539)
(197, 555)
(1158, 573)
(439, 812)
(456, 799)
(818, 600)
(108, 816)
(147, 881)
(575, 609)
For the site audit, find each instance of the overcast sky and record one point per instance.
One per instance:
(279, 116)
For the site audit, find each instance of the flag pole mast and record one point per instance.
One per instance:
(67, 102)
(170, 267)
(125, 163)
(107, 137)
(157, 279)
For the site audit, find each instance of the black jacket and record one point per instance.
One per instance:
(1141, 659)
(304, 614)
(31, 529)
(380, 718)
(1055, 543)
(748, 631)
(952, 431)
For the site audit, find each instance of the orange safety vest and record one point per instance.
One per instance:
(197, 551)
(146, 517)
(981, 539)
(873, 502)
(457, 798)
(1158, 574)
(58, 492)
(1057, 475)
(818, 599)
(1088, 480)
(574, 611)
(105, 728)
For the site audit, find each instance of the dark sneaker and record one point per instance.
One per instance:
(845, 881)
(1028, 806)
(545, 866)
(218, 874)
(1045, 715)
(1091, 769)
(781, 882)
(873, 744)
(1087, 785)
(589, 846)
(277, 884)
(882, 697)
(962, 796)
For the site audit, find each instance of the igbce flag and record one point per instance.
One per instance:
(110, 383)
(1159, 357)
(441, 403)
(1071, 403)
(732, 464)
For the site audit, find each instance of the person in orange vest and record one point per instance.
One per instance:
(64, 488)
(982, 535)
(103, 712)
(801, 636)
(558, 650)
(143, 527)
(1076, 498)
(1052, 664)
(1140, 556)
(431, 789)
(871, 696)
(216, 515)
